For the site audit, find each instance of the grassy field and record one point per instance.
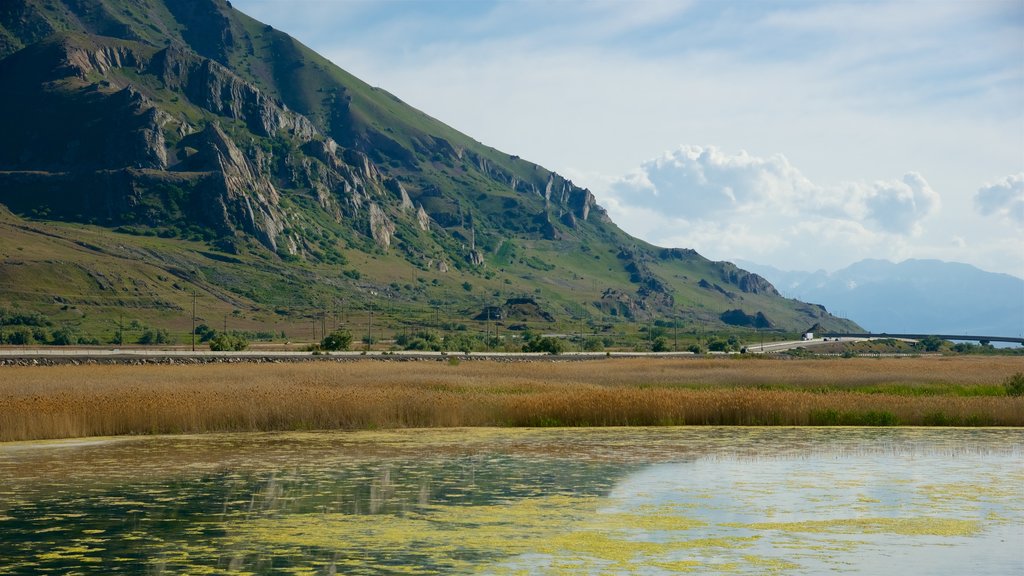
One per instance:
(76, 401)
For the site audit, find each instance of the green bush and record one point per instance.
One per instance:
(155, 336)
(64, 336)
(337, 340)
(20, 336)
(421, 340)
(1014, 385)
(460, 342)
(546, 344)
(228, 342)
(205, 333)
(931, 343)
(660, 345)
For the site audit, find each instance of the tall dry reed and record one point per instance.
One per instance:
(60, 402)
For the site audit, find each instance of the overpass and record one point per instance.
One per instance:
(959, 337)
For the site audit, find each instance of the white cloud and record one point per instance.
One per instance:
(739, 205)
(1004, 199)
(851, 91)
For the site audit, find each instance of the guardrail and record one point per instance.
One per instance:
(958, 337)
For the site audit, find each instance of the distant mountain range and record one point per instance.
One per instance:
(155, 149)
(915, 296)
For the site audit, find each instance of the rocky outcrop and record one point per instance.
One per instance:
(747, 282)
(381, 227)
(422, 218)
(246, 199)
(738, 317)
(149, 146)
(679, 254)
(715, 287)
(618, 303)
(216, 89)
(396, 188)
(82, 58)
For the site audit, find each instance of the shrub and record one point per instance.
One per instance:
(337, 340)
(1014, 385)
(155, 336)
(547, 344)
(205, 333)
(421, 340)
(20, 336)
(64, 336)
(461, 342)
(931, 343)
(660, 345)
(228, 342)
(593, 344)
(717, 345)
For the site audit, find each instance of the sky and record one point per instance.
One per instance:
(796, 134)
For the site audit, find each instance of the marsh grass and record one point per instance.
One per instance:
(75, 401)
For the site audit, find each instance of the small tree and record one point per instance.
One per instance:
(64, 336)
(547, 344)
(155, 336)
(593, 344)
(205, 333)
(337, 340)
(931, 343)
(228, 342)
(20, 336)
(660, 345)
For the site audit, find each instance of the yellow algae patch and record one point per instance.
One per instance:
(770, 565)
(647, 522)
(971, 492)
(569, 533)
(440, 535)
(680, 566)
(901, 526)
(601, 546)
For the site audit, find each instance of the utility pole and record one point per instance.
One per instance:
(581, 327)
(369, 326)
(193, 320)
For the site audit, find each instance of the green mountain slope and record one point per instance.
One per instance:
(190, 142)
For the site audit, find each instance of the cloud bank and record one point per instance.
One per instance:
(1004, 199)
(739, 205)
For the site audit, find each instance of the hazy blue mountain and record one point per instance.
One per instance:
(918, 296)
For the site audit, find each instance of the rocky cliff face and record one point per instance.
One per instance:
(746, 281)
(185, 118)
(216, 89)
(244, 198)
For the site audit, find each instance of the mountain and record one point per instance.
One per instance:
(153, 149)
(913, 296)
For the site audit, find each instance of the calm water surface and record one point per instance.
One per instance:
(536, 501)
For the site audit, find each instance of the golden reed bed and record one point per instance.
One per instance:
(74, 401)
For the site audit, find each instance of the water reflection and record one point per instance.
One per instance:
(580, 501)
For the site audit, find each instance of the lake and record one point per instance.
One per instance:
(519, 501)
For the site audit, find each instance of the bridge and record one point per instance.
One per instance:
(959, 337)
